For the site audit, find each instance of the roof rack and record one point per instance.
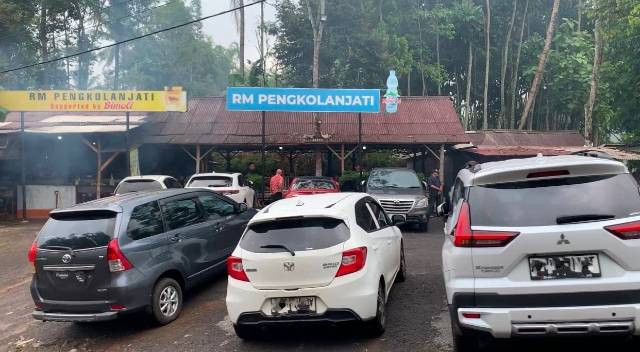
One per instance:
(472, 166)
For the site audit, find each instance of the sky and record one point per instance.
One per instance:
(222, 29)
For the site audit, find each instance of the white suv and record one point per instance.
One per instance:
(234, 185)
(321, 258)
(543, 246)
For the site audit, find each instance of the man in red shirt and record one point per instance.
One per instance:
(276, 185)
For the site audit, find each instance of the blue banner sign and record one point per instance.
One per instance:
(302, 99)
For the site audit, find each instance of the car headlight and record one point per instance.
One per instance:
(422, 203)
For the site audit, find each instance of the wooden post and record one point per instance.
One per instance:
(291, 166)
(198, 158)
(98, 168)
(23, 176)
(442, 164)
(342, 159)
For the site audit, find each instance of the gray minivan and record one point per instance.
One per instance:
(136, 251)
(400, 192)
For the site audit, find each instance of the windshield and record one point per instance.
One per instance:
(380, 179)
(297, 234)
(312, 183)
(138, 186)
(556, 201)
(78, 230)
(211, 181)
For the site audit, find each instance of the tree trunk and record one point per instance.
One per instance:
(467, 107)
(317, 24)
(546, 117)
(487, 33)
(380, 10)
(241, 54)
(44, 50)
(591, 102)
(514, 77)
(422, 78)
(541, 64)
(438, 61)
(503, 69)
(579, 15)
(409, 83)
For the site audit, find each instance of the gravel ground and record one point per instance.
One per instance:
(417, 315)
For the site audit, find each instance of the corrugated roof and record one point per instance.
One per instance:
(419, 120)
(526, 138)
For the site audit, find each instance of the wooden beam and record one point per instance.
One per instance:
(442, 164)
(186, 151)
(432, 152)
(98, 170)
(91, 146)
(342, 159)
(333, 151)
(198, 158)
(109, 161)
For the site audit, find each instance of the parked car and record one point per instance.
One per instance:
(400, 192)
(146, 183)
(307, 185)
(321, 258)
(234, 186)
(98, 260)
(544, 246)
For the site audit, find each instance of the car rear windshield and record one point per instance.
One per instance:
(211, 181)
(298, 234)
(379, 179)
(555, 201)
(138, 186)
(79, 230)
(302, 184)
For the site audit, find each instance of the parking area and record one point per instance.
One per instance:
(417, 315)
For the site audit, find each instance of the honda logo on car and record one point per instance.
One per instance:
(289, 266)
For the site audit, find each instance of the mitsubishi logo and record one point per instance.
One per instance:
(563, 240)
(66, 258)
(289, 266)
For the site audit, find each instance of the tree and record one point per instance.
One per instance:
(543, 59)
(240, 23)
(597, 61)
(503, 68)
(487, 36)
(514, 70)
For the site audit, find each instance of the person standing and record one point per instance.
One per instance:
(435, 190)
(276, 185)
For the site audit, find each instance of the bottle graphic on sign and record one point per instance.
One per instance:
(391, 97)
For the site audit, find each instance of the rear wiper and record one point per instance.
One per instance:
(293, 254)
(568, 219)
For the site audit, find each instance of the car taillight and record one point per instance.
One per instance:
(352, 261)
(33, 251)
(117, 260)
(627, 231)
(463, 236)
(235, 269)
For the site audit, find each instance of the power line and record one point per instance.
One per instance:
(131, 39)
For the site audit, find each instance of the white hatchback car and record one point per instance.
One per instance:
(322, 258)
(232, 185)
(544, 246)
(146, 183)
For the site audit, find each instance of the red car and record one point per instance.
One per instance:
(306, 185)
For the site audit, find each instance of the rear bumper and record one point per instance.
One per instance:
(579, 313)
(332, 316)
(74, 317)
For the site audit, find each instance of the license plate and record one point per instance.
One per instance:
(293, 305)
(564, 267)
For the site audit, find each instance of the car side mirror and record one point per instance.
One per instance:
(443, 209)
(241, 208)
(398, 220)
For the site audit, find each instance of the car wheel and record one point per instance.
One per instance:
(465, 343)
(402, 272)
(166, 302)
(378, 324)
(245, 332)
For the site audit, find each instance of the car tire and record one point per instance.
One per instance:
(244, 332)
(166, 301)
(378, 324)
(402, 272)
(465, 343)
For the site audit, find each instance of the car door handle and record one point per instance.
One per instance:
(176, 238)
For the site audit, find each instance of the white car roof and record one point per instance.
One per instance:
(159, 178)
(518, 169)
(215, 174)
(333, 205)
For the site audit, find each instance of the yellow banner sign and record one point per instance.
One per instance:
(174, 99)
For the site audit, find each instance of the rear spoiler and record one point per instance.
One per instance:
(85, 213)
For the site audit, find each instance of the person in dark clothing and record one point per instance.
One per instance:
(435, 190)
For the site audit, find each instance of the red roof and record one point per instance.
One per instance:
(419, 120)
